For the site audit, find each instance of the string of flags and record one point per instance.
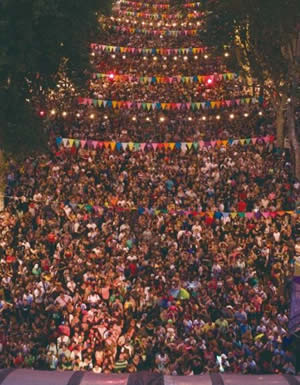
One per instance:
(172, 210)
(158, 32)
(192, 5)
(158, 106)
(138, 4)
(148, 51)
(173, 146)
(146, 15)
(161, 24)
(157, 79)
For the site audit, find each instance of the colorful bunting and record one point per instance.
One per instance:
(192, 5)
(173, 211)
(148, 106)
(164, 16)
(148, 51)
(157, 32)
(183, 146)
(157, 79)
(138, 4)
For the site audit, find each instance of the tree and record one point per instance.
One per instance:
(264, 36)
(36, 37)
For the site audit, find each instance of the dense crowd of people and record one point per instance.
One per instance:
(177, 261)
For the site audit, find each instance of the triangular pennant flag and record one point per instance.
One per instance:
(58, 141)
(280, 213)
(65, 142)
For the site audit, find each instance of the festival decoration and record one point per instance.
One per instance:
(157, 106)
(163, 16)
(148, 51)
(138, 4)
(166, 146)
(192, 5)
(171, 210)
(158, 79)
(157, 32)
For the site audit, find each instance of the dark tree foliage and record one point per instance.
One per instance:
(36, 36)
(264, 37)
(262, 31)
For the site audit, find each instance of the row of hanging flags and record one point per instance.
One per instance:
(157, 32)
(158, 106)
(158, 79)
(139, 4)
(173, 146)
(148, 51)
(164, 16)
(171, 209)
